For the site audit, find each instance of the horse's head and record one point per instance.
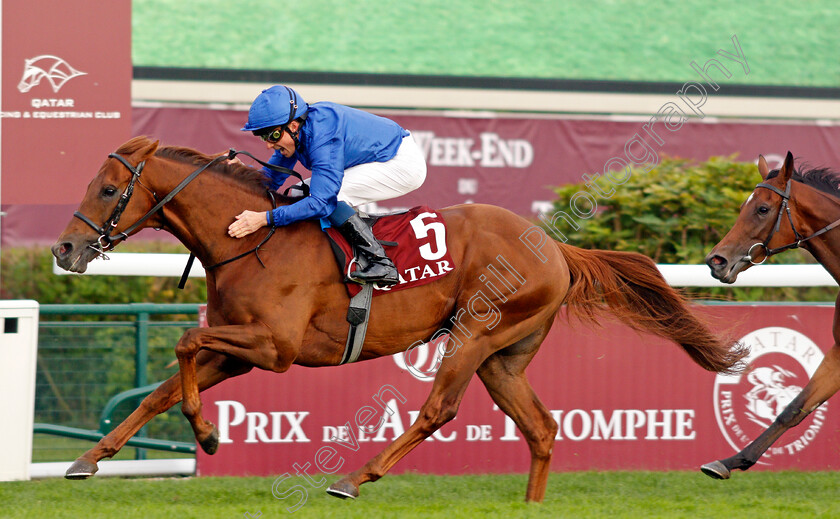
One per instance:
(108, 208)
(764, 223)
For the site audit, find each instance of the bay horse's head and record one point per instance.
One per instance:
(108, 208)
(765, 225)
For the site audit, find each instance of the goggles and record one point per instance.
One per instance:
(273, 136)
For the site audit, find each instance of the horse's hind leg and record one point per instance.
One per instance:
(448, 389)
(824, 383)
(212, 369)
(503, 374)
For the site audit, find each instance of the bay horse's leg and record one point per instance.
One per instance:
(448, 389)
(824, 383)
(212, 369)
(250, 343)
(503, 374)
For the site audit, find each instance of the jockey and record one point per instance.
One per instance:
(355, 158)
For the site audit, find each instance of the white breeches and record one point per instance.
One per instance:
(376, 181)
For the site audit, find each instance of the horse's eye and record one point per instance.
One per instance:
(108, 191)
(763, 210)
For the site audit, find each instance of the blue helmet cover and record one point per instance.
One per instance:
(273, 107)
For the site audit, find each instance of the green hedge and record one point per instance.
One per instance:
(676, 213)
(26, 273)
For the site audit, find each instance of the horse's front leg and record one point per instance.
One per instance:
(212, 369)
(824, 383)
(251, 343)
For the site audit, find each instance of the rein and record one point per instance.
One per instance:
(106, 239)
(784, 208)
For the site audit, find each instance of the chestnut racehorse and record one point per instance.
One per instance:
(288, 306)
(789, 209)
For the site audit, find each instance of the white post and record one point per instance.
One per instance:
(18, 358)
(1, 124)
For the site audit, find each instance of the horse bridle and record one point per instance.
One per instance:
(784, 208)
(106, 239)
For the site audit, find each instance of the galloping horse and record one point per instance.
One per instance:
(789, 209)
(288, 305)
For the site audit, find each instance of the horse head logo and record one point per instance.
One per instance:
(769, 395)
(54, 69)
(747, 403)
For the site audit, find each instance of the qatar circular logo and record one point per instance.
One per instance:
(781, 361)
(422, 360)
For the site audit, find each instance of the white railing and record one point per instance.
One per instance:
(169, 265)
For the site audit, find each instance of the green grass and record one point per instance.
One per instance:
(789, 43)
(583, 494)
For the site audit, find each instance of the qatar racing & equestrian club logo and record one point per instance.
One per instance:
(781, 361)
(52, 68)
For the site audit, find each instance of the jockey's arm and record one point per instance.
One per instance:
(327, 173)
(321, 202)
(327, 166)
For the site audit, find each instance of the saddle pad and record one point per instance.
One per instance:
(421, 255)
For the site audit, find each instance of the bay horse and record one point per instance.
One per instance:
(789, 209)
(288, 304)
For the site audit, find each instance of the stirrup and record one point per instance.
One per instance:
(348, 276)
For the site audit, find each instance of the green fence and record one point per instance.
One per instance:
(88, 354)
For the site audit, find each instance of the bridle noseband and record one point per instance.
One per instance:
(783, 208)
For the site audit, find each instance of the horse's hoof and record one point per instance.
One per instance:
(81, 469)
(343, 489)
(210, 444)
(716, 470)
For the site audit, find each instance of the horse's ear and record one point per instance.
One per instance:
(763, 170)
(146, 151)
(787, 168)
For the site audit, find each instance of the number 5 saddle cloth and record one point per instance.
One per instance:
(415, 240)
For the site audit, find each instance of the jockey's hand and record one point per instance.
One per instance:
(246, 223)
(234, 160)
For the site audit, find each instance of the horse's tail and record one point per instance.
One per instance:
(635, 292)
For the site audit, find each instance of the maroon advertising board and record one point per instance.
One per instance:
(66, 103)
(515, 162)
(512, 162)
(623, 401)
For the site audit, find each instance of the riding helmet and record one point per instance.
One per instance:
(274, 107)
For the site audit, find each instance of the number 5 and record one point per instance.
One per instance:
(421, 230)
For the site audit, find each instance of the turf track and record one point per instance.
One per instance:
(585, 494)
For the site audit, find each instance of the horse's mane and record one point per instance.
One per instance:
(822, 179)
(250, 178)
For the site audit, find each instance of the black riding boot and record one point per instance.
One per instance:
(380, 268)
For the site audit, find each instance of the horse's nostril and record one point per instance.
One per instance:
(61, 250)
(716, 262)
